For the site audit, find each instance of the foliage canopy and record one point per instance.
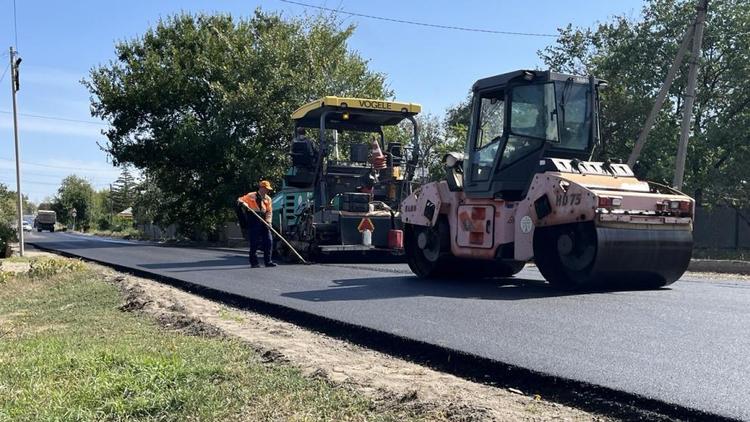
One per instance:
(634, 56)
(201, 103)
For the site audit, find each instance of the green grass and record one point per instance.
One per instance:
(125, 233)
(68, 353)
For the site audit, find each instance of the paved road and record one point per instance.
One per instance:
(687, 345)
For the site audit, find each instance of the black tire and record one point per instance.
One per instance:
(432, 261)
(39, 230)
(52, 230)
(569, 271)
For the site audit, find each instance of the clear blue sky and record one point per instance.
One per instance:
(60, 41)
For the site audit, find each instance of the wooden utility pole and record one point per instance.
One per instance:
(111, 207)
(661, 97)
(687, 110)
(14, 87)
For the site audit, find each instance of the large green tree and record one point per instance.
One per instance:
(75, 193)
(8, 209)
(634, 56)
(9, 204)
(123, 191)
(8, 216)
(201, 103)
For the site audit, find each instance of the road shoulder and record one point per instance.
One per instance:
(390, 382)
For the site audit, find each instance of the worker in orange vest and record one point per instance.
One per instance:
(257, 232)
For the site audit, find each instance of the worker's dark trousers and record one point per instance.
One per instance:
(260, 237)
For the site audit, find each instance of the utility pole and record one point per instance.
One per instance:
(14, 87)
(661, 96)
(111, 207)
(687, 110)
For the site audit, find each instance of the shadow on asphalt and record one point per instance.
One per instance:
(74, 244)
(359, 258)
(228, 262)
(410, 286)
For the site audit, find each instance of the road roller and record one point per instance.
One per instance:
(525, 189)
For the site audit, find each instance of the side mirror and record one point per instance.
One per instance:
(453, 159)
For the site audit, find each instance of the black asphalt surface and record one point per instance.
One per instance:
(688, 344)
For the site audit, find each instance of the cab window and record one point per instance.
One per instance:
(574, 111)
(533, 112)
(491, 120)
(518, 147)
(489, 134)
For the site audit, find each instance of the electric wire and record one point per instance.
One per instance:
(31, 173)
(31, 182)
(430, 25)
(63, 119)
(50, 178)
(86, 169)
(56, 180)
(7, 66)
(15, 25)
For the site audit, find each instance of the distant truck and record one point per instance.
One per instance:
(45, 220)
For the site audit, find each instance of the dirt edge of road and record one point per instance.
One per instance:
(389, 381)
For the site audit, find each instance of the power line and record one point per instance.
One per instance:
(7, 66)
(57, 167)
(54, 176)
(47, 183)
(63, 119)
(15, 24)
(33, 182)
(430, 25)
(34, 174)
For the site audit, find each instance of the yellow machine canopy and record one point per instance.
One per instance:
(361, 114)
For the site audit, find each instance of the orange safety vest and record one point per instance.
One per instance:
(265, 208)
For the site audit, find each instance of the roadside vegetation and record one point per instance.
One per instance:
(121, 233)
(634, 55)
(9, 216)
(68, 352)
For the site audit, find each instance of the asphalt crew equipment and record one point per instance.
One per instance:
(327, 198)
(526, 189)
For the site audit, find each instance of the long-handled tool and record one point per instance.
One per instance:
(270, 227)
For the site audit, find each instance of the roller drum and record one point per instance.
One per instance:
(664, 253)
(580, 255)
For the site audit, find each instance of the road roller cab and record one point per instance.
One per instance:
(524, 190)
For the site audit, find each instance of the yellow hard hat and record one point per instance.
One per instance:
(266, 184)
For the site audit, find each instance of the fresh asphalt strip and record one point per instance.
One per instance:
(585, 395)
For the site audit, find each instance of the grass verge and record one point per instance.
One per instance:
(127, 233)
(67, 352)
